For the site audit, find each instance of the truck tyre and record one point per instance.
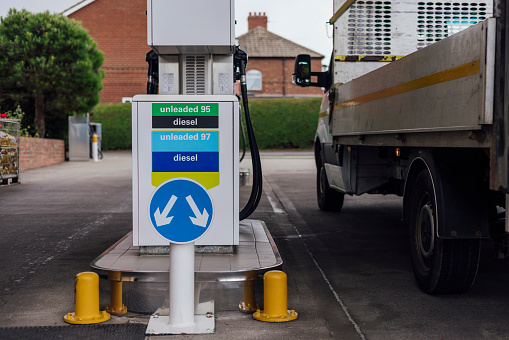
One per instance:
(441, 266)
(328, 198)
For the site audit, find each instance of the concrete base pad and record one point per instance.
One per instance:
(204, 322)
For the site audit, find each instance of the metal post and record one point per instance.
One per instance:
(499, 174)
(507, 213)
(86, 301)
(183, 318)
(249, 304)
(181, 285)
(95, 148)
(275, 299)
(116, 306)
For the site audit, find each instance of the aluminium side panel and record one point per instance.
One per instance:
(439, 88)
(376, 29)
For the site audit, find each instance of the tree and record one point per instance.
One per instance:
(51, 61)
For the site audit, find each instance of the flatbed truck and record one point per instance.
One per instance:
(429, 122)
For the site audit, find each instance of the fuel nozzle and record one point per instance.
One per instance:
(153, 72)
(240, 61)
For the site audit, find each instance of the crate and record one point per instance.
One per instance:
(9, 151)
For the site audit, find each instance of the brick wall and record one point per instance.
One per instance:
(37, 152)
(120, 29)
(277, 77)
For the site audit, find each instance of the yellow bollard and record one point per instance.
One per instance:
(95, 148)
(249, 304)
(86, 301)
(116, 306)
(275, 299)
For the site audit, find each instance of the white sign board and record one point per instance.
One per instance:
(180, 144)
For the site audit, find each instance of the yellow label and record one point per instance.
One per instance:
(208, 179)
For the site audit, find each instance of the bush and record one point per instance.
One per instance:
(284, 123)
(48, 62)
(279, 123)
(116, 125)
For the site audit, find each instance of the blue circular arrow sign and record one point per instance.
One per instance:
(181, 210)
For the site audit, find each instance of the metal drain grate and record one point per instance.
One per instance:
(438, 20)
(369, 28)
(111, 332)
(195, 75)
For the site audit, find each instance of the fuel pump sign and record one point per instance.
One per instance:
(185, 166)
(178, 151)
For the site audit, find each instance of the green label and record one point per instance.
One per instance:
(185, 109)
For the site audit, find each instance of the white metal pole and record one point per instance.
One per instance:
(181, 285)
(95, 148)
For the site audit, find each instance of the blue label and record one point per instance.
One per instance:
(181, 210)
(172, 141)
(185, 161)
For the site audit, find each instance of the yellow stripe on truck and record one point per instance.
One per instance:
(433, 79)
(370, 58)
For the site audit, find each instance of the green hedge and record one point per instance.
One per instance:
(279, 123)
(284, 123)
(116, 125)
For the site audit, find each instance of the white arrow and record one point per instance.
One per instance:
(162, 219)
(200, 219)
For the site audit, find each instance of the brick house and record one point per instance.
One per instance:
(120, 29)
(271, 61)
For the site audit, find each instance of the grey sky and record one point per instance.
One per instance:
(303, 22)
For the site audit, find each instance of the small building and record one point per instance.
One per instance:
(271, 61)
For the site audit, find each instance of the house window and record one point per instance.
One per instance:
(254, 80)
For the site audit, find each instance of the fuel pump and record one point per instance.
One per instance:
(186, 146)
(240, 63)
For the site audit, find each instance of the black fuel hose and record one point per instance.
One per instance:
(243, 134)
(256, 190)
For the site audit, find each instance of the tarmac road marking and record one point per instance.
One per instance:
(286, 205)
(274, 202)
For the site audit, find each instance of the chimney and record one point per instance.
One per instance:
(255, 20)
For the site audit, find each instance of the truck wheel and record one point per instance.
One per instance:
(328, 198)
(441, 266)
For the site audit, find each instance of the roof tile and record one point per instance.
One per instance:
(259, 42)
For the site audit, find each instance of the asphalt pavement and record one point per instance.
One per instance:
(61, 217)
(349, 274)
